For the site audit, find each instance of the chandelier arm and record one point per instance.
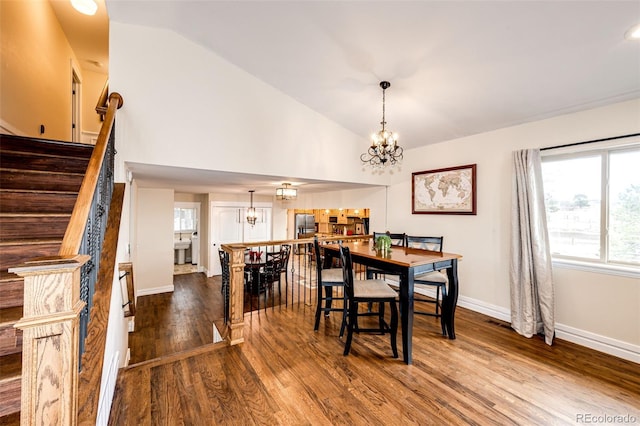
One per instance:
(384, 147)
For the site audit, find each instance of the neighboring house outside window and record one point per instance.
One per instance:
(592, 198)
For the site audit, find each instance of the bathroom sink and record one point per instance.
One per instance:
(181, 244)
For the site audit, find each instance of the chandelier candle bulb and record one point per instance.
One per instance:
(384, 147)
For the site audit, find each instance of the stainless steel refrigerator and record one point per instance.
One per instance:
(305, 225)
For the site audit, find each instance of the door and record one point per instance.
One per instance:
(75, 107)
(225, 228)
(228, 225)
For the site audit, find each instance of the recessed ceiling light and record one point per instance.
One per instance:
(633, 33)
(88, 7)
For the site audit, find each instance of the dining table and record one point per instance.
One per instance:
(406, 263)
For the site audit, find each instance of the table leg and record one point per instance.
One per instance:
(406, 313)
(450, 301)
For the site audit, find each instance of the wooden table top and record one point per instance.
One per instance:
(401, 256)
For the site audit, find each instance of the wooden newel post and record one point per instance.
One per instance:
(50, 325)
(236, 297)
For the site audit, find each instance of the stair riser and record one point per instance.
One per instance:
(31, 228)
(43, 146)
(36, 181)
(12, 293)
(14, 255)
(20, 161)
(10, 340)
(10, 396)
(31, 202)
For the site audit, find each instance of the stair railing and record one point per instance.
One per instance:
(58, 293)
(85, 232)
(301, 271)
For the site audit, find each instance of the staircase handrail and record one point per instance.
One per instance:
(102, 104)
(74, 233)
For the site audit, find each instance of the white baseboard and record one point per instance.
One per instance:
(584, 338)
(107, 390)
(154, 290)
(600, 343)
(88, 137)
(493, 311)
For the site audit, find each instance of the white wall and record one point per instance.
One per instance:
(153, 252)
(208, 114)
(196, 103)
(598, 310)
(589, 305)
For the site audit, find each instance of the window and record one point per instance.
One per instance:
(184, 219)
(593, 205)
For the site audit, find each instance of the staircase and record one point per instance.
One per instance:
(39, 184)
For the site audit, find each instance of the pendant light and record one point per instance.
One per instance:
(251, 211)
(384, 147)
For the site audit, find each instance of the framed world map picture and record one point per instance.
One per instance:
(444, 191)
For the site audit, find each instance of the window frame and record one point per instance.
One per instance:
(604, 150)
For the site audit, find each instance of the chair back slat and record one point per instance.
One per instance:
(424, 243)
(347, 270)
(397, 239)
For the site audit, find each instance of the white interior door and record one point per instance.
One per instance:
(225, 228)
(228, 225)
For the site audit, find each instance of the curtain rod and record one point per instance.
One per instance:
(593, 141)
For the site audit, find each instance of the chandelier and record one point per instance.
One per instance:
(251, 211)
(384, 147)
(286, 193)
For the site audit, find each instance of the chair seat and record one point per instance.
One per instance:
(433, 276)
(371, 289)
(332, 275)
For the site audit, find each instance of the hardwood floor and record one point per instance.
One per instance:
(285, 373)
(167, 323)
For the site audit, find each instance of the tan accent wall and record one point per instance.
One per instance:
(92, 84)
(35, 73)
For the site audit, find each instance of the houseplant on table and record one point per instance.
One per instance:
(383, 243)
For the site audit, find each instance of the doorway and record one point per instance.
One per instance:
(186, 237)
(75, 106)
(229, 225)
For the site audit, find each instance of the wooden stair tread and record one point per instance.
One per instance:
(33, 215)
(6, 276)
(31, 241)
(10, 366)
(9, 316)
(21, 144)
(34, 191)
(39, 172)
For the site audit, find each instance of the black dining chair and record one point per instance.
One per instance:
(435, 279)
(272, 274)
(397, 240)
(327, 279)
(368, 291)
(286, 253)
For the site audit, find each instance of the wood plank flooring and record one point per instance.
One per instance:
(286, 374)
(167, 323)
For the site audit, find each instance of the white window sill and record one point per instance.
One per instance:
(622, 271)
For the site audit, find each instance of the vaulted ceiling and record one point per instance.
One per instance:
(456, 68)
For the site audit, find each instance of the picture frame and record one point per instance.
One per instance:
(450, 190)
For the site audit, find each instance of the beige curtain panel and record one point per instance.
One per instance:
(532, 295)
